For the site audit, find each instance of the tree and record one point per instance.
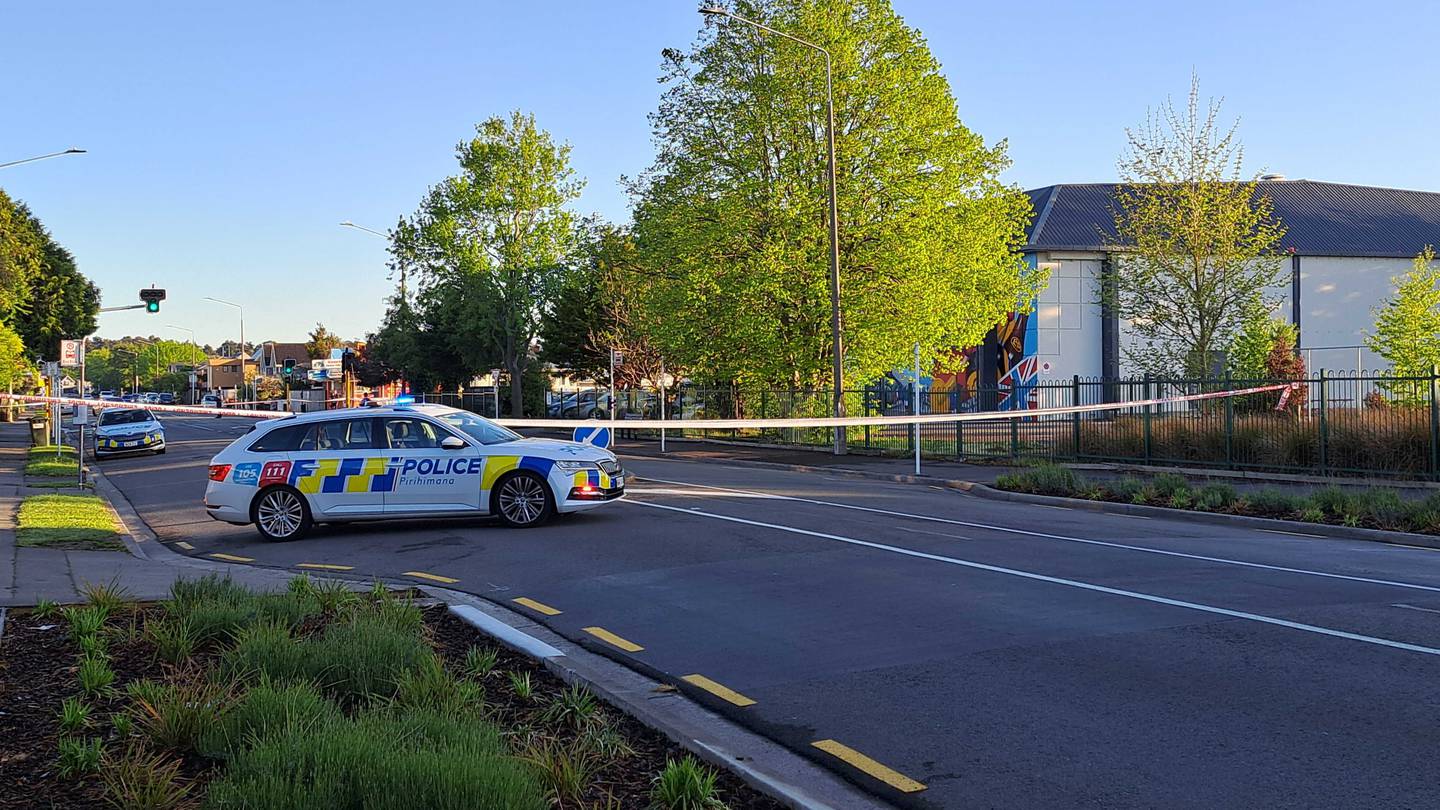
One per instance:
(1255, 341)
(267, 388)
(61, 303)
(731, 222)
(488, 243)
(1407, 327)
(1284, 363)
(22, 254)
(1195, 242)
(15, 367)
(321, 341)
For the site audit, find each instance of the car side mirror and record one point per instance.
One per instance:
(452, 443)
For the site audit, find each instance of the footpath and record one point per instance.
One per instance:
(31, 574)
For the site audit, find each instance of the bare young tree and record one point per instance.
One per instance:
(1195, 240)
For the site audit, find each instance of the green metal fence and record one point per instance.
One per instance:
(1346, 423)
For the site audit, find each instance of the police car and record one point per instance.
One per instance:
(401, 461)
(128, 430)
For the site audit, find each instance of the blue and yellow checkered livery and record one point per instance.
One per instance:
(330, 475)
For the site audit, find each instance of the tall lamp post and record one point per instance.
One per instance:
(244, 385)
(71, 151)
(838, 371)
(194, 356)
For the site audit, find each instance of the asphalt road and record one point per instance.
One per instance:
(998, 654)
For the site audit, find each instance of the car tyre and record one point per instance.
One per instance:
(160, 452)
(280, 514)
(522, 500)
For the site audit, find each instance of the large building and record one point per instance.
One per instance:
(1342, 247)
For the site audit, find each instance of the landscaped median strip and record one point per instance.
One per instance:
(326, 566)
(850, 756)
(610, 638)
(230, 557)
(538, 607)
(718, 690)
(431, 577)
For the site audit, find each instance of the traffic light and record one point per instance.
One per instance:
(152, 298)
(289, 367)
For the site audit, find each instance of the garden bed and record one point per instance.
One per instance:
(318, 696)
(1383, 509)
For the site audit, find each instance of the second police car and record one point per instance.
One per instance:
(402, 461)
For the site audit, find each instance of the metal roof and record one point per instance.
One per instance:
(1321, 219)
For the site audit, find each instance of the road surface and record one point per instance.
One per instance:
(996, 654)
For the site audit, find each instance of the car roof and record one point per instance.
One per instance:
(382, 410)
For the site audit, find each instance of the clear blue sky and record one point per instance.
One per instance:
(227, 139)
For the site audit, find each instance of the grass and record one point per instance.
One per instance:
(44, 461)
(79, 756)
(1373, 508)
(686, 785)
(143, 781)
(67, 521)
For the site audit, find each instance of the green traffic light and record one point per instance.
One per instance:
(152, 306)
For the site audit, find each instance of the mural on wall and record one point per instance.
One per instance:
(1017, 369)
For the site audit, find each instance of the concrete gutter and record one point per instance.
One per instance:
(761, 763)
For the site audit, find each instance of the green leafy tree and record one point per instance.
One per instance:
(22, 255)
(1255, 340)
(60, 302)
(731, 222)
(1407, 327)
(488, 243)
(16, 370)
(321, 341)
(1196, 240)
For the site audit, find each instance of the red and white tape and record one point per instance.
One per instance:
(105, 404)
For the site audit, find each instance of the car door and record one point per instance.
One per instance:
(339, 466)
(428, 477)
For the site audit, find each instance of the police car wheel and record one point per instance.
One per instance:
(522, 500)
(280, 513)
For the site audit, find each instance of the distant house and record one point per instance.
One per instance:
(1343, 244)
(270, 357)
(222, 374)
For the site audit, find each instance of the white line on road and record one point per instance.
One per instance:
(1061, 537)
(1416, 607)
(1072, 583)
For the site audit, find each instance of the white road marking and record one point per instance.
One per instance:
(1071, 583)
(1061, 537)
(1417, 607)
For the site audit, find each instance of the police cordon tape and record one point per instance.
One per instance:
(713, 424)
(861, 421)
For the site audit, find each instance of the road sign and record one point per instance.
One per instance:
(593, 434)
(82, 415)
(334, 365)
(51, 368)
(72, 353)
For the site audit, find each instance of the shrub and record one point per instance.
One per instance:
(85, 621)
(1387, 510)
(1215, 497)
(574, 707)
(480, 663)
(1311, 514)
(1274, 503)
(1127, 488)
(95, 675)
(91, 646)
(686, 785)
(74, 715)
(140, 782)
(1044, 479)
(521, 685)
(381, 761)
(110, 597)
(428, 686)
(565, 772)
(78, 756)
(176, 715)
(124, 724)
(172, 638)
(221, 617)
(1424, 519)
(45, 609)
(267, 709)
(1336, 502)
(264, 650)
(1168, 485)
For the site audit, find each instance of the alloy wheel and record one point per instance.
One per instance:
(522, 500)
(280, 513)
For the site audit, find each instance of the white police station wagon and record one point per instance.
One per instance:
(401, 461)
(128, 430)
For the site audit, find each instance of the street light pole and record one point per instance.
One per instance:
(838, 369)
(244, 386)
(71, 151)
(194, 355)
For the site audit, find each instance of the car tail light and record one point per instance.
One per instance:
(219, 471)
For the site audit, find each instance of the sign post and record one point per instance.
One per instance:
(916, 411)
(495, 386)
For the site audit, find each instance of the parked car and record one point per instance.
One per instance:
(210, 401)
(128, 430)
(167, 398)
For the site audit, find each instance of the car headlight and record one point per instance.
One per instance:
(576, 466)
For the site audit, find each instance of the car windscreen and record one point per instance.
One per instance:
(481, 430)
(124, 416)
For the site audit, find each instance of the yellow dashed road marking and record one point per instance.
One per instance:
(326, 566)
(610, 638)
(184, 545)
(539, 607)
(718, 690)
(431, 577)
(231, 557)
(889, 776)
